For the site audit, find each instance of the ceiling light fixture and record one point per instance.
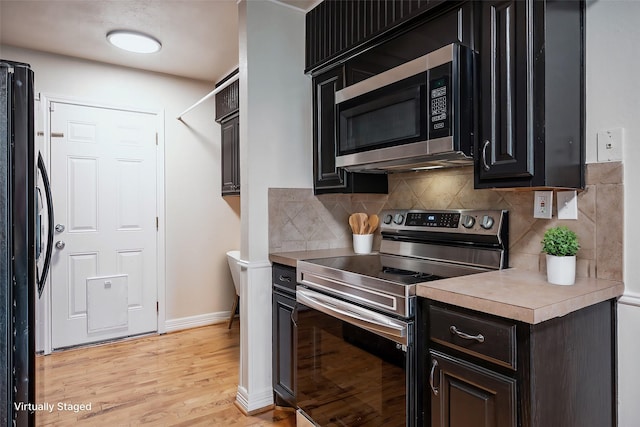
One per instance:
(133, 41)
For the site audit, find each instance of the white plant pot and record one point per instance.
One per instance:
(561, 270)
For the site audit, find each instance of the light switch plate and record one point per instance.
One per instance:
(610, 145)
(543, 204)
(567, 204)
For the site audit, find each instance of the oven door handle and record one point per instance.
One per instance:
(371, 321)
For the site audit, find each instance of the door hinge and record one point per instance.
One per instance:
(156, 138)
(157, 224)
(51, 107)
(157, 307)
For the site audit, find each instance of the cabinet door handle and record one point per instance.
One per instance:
(454, 330)
(485, 165)
(284, 278)
(434, 365)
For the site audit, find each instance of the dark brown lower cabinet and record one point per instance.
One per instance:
(283, 364)
(466, 395)
(481, 370)
(283, 335)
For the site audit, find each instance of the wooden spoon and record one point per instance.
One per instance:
(353, 223)
(362, 220)
(374, 220)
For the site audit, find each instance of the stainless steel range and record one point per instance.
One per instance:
(355, 314)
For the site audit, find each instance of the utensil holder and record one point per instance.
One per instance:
(362, 243)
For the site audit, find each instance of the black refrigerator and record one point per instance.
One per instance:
(20, 243)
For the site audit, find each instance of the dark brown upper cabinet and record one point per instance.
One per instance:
(450, 23)
(337, 28)
(227, 114)
(230, 155)
(532, 105)
(327, 177)
(228, 99)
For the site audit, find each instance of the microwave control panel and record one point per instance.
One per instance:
(440, 92)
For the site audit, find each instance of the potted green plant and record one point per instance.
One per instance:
(561, 245)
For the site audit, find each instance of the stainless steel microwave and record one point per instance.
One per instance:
(418, 115)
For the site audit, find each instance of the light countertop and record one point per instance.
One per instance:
(511, 293)
(519, 294)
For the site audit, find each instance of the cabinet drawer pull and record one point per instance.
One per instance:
(284, 278)
(485, 165)
(454, 330)
(434, 365)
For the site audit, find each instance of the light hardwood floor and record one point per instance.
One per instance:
(186, 378)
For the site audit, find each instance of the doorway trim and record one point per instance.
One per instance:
(45, 148)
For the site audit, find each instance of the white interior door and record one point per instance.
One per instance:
(104, 265)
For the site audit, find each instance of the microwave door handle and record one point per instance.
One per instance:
(366, 319)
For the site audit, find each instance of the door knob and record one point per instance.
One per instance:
(59, 228)
(60, 244)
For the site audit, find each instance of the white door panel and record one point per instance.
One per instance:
(103, 174)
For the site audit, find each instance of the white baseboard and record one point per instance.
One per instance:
(630, 298)
(181, 323)
(254, 401)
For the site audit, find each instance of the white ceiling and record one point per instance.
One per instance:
(199, 37)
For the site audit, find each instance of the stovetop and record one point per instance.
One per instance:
(385, 283)
(417, 247)
(396, 269)
(405, 276)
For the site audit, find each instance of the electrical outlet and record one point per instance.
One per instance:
(610, 145)
(543, 204)
(567, 204)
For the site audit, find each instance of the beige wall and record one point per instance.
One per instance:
(613, 101)
(275, 114)
(275, 150)
(200, 226)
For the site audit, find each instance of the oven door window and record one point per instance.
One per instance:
(348, 376)
(388, 116)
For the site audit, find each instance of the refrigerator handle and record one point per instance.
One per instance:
(47, 258)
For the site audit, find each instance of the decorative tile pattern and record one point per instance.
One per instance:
(608, 241)
(301, 221)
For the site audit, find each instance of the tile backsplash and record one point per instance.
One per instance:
(298, 220)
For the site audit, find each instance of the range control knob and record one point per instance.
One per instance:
(487, 222)
(468, 221)
(398, 219)
(387, 219)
